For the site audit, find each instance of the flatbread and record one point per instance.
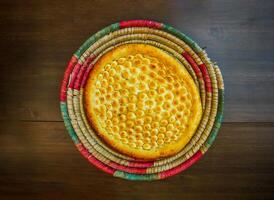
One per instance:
(142, 102)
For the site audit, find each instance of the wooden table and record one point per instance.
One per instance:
(37, 157)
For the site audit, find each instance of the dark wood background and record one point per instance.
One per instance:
(37, 157)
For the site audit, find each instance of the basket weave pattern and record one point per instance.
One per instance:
(204, 72)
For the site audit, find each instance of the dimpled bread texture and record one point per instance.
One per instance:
(142, 102)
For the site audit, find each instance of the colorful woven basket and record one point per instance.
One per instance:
(204, 72)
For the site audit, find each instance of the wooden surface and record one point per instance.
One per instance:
(37, 157)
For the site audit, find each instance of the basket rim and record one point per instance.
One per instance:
(81, 148)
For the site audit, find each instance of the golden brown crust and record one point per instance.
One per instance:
(142, 102)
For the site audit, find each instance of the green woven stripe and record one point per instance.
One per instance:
(136, 177)
(183, 37)
(218, 120)
(68, 125)
(95, 37)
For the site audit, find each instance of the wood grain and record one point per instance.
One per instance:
(39, 37)
(39, 161)
(37, 157)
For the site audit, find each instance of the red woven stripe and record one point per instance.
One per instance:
(74, 75)
(93, 160)
(143, 165)
(127, 169)
(182, 166)
(206, 77)
(77, 84)
(193, 64)
(140, 23)
(85, 77)
(63, 92)
(80, 75)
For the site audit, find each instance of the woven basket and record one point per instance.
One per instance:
(204, 72)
